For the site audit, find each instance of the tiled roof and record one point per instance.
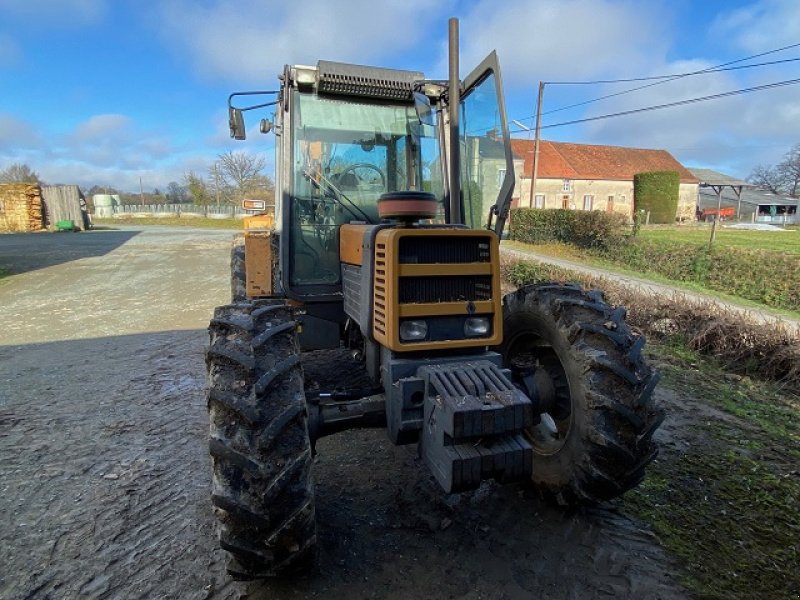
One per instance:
(559, 160)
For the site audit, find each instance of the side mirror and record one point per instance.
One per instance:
(265, 126)
(423, 107)
(236, 123)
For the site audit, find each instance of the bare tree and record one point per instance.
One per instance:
(790, 166)
(767, 178)
(176, 193)
(238, 174)
(19, 173)
(783, 178)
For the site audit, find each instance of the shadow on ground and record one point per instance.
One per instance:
(22, 252)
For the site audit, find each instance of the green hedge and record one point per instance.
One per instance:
(585, 229)
(657, 192)
(771, 278)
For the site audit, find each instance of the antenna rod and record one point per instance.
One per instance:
(455, 139)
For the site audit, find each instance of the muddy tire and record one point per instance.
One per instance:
(262, 489)
(238, 282)
(595, 437)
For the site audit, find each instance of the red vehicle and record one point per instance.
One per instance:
(708, 214)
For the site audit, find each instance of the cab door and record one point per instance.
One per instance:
(487, 164)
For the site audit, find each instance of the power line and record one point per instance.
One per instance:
(661, 78)
(671, 104)
(666, 77)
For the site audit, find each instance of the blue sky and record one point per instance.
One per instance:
(107, 91)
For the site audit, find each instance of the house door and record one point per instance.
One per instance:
(565, 202)
(610, 205)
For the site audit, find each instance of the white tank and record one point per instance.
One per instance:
(103, 205)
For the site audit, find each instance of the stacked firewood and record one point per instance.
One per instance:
(20, 207)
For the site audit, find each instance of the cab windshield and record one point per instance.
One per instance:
(346, 154)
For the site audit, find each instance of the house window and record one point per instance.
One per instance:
(539, 201)
(567, 187)
(588, 200)
(501, 175)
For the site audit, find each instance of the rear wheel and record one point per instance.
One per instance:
(595, 435)
(262, 489)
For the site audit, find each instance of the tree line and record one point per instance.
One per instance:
(230, 178)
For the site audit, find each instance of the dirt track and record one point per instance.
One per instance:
(105, 471)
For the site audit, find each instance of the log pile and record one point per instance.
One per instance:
(20, 207)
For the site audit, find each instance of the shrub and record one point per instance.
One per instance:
(770, 278)
(585, 229)
(657, 192)
(740, 343)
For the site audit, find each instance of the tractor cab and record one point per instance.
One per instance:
(348, 134)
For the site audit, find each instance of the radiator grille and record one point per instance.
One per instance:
(351, 286)
(380, 289)
(445, 289)
(444, 250)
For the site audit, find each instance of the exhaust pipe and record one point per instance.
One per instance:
(455, 138)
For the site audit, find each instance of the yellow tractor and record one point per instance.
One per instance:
(392, 192)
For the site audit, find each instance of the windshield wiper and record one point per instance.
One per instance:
(338, 195)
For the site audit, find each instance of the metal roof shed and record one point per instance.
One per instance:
(718, 182)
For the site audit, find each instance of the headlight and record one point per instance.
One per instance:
(476, 327)
(413, 330)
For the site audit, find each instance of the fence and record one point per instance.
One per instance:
(223, 210)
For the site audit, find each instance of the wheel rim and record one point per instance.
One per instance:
(528, 350)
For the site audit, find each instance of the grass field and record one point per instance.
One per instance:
(726, 506)
(787, 240)
(173, 222)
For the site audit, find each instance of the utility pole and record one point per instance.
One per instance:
(537, 137)
(141, 193)
(216, 184)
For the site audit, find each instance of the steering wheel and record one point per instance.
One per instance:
(351, 170)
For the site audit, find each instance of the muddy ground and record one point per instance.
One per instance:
(104, 486)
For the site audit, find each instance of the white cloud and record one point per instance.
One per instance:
(760, 26)
(251, 40)
(17, 135)
(731, 134)
(98, 128)
(563, 39)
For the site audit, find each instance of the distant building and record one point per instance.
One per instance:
(752, 205)
(593, 177)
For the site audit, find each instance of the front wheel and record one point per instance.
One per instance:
(594, 439)
(262, 488)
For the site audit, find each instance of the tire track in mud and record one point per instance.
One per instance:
(115, 501)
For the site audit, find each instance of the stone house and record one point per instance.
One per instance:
(594, 177)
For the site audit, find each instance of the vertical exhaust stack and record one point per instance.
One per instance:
(455, 138)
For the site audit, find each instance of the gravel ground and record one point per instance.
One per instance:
(105, 472)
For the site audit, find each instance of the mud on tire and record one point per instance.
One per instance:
(602, 418)
(262, 489)
(238, 282)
